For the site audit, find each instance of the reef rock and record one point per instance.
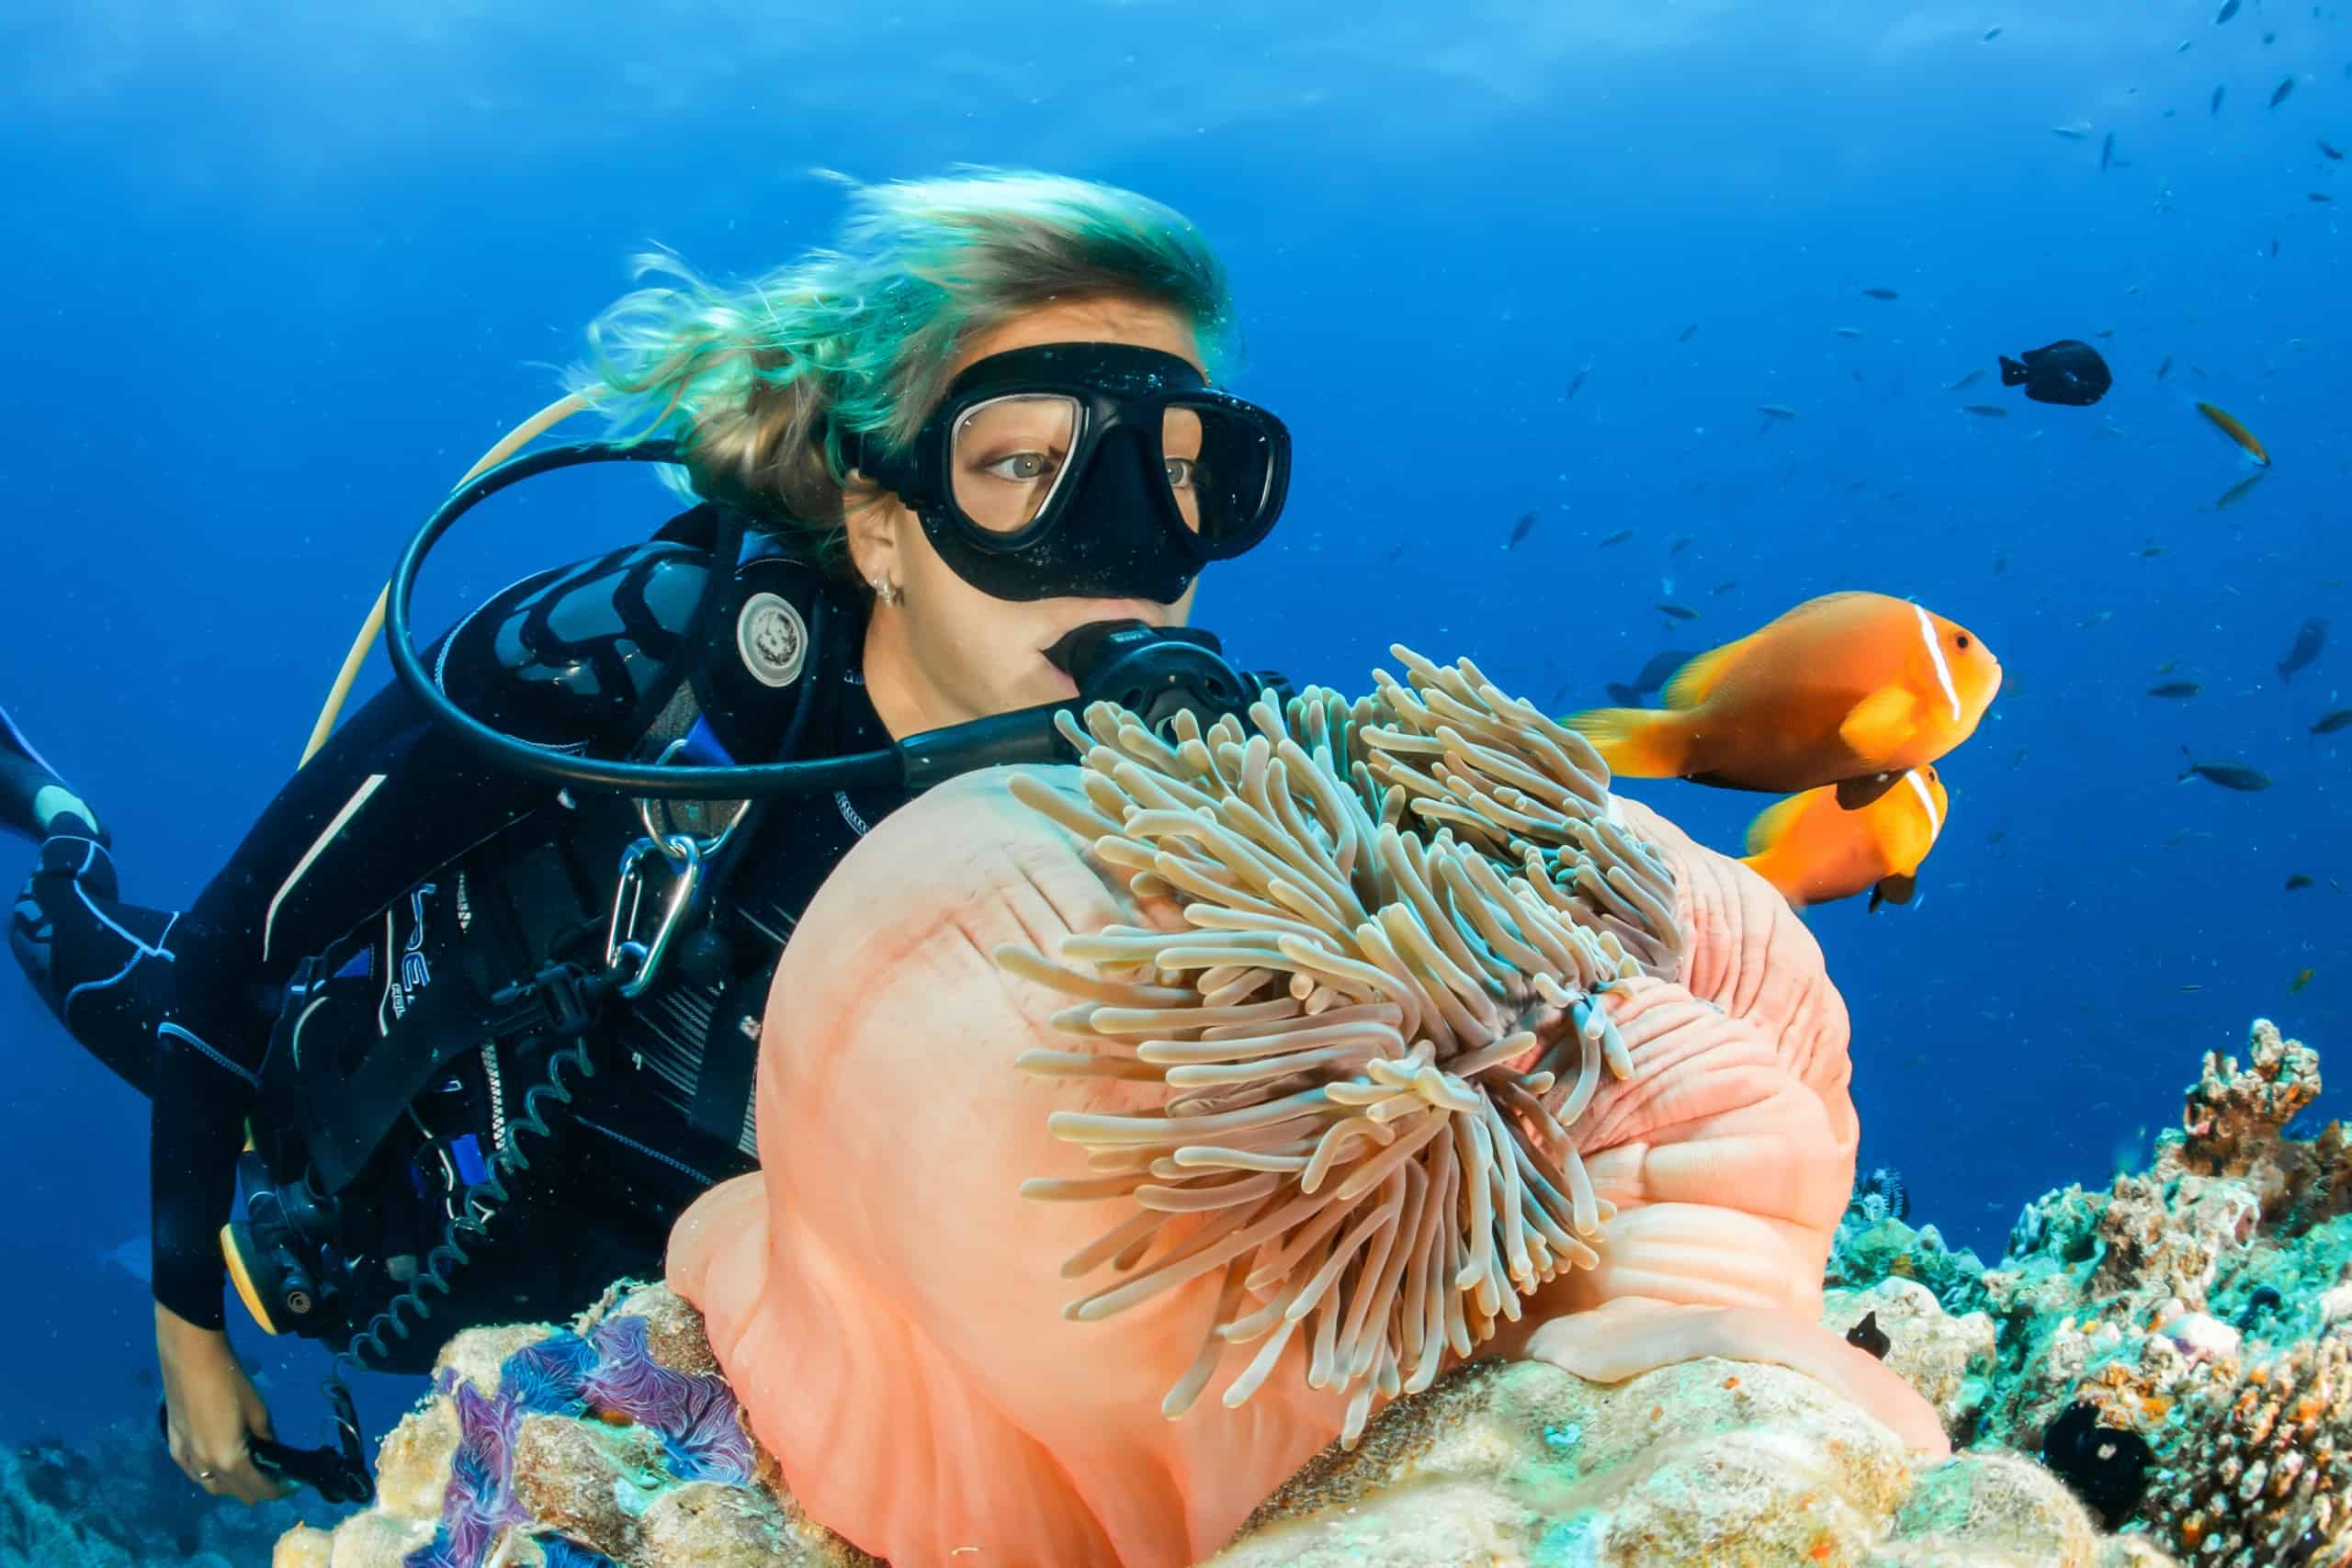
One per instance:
(1707, 1461)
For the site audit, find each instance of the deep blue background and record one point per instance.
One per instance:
(277, 277)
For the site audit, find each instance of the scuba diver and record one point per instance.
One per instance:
(471, 1013)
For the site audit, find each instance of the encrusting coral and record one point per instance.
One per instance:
(1401, 911)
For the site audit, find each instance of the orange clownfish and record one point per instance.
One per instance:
(1850, 689)
(1813, 850)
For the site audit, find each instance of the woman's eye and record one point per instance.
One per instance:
(1021, 466)
(1182, 472)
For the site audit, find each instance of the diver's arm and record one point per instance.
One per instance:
(567, 658)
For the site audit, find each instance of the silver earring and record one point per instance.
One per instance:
(884, 589)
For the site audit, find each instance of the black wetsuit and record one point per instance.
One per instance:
(182, 1005)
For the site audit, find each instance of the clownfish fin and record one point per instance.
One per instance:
(1855, 793)
(1893, 890)
(1691, 684)
(1880, 722)
(1772, 822)
(1636, 743)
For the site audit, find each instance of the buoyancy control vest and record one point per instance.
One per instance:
(405, 1054)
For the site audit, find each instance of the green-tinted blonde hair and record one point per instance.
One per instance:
(760, 382)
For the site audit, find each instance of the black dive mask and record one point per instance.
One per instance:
(1086, 470)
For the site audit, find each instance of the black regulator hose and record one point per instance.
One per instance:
(1153, 672)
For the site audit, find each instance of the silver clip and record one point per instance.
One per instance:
(645, 959)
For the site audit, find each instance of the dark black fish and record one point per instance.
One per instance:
(2330, 722)
(2229, 8)
(2175, 689)
(2330, 152)
(1984, 410)
(2068, 371)
(2105, 1466)
(1521, 529)
(1684, 336)
(1869, 1337)
(1879, 294)
(2309, 638)
(1675, 548)
(2165, 369)
(2298, 882)
(2229, 776)
(1654, 676)
(1660, 670)
(2215, 106)
(2320, 196)
(2279, 95)
(2107, 152)
(1576, 383)
(1619, 537)
(1678, 612)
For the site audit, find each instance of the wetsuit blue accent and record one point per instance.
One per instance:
(181, 1005)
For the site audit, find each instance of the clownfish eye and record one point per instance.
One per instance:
(1963, 639)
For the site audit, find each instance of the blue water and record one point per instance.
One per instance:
(278, 273)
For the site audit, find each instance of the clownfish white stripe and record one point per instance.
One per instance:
(1926, 803)
(1936, 653)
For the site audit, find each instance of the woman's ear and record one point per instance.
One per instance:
(872, 516)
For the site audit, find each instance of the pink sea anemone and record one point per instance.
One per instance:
(1387, 1033)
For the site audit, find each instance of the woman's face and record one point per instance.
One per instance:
(945, 652)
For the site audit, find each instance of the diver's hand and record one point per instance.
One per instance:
(214, 1408)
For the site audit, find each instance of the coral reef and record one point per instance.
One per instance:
(2178, 1342)
(115, 1500)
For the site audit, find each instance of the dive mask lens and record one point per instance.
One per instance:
(1010, 458)
(1212, 461)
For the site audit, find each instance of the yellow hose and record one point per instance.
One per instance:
(555, 414)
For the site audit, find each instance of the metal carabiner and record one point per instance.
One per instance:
(645, 959)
